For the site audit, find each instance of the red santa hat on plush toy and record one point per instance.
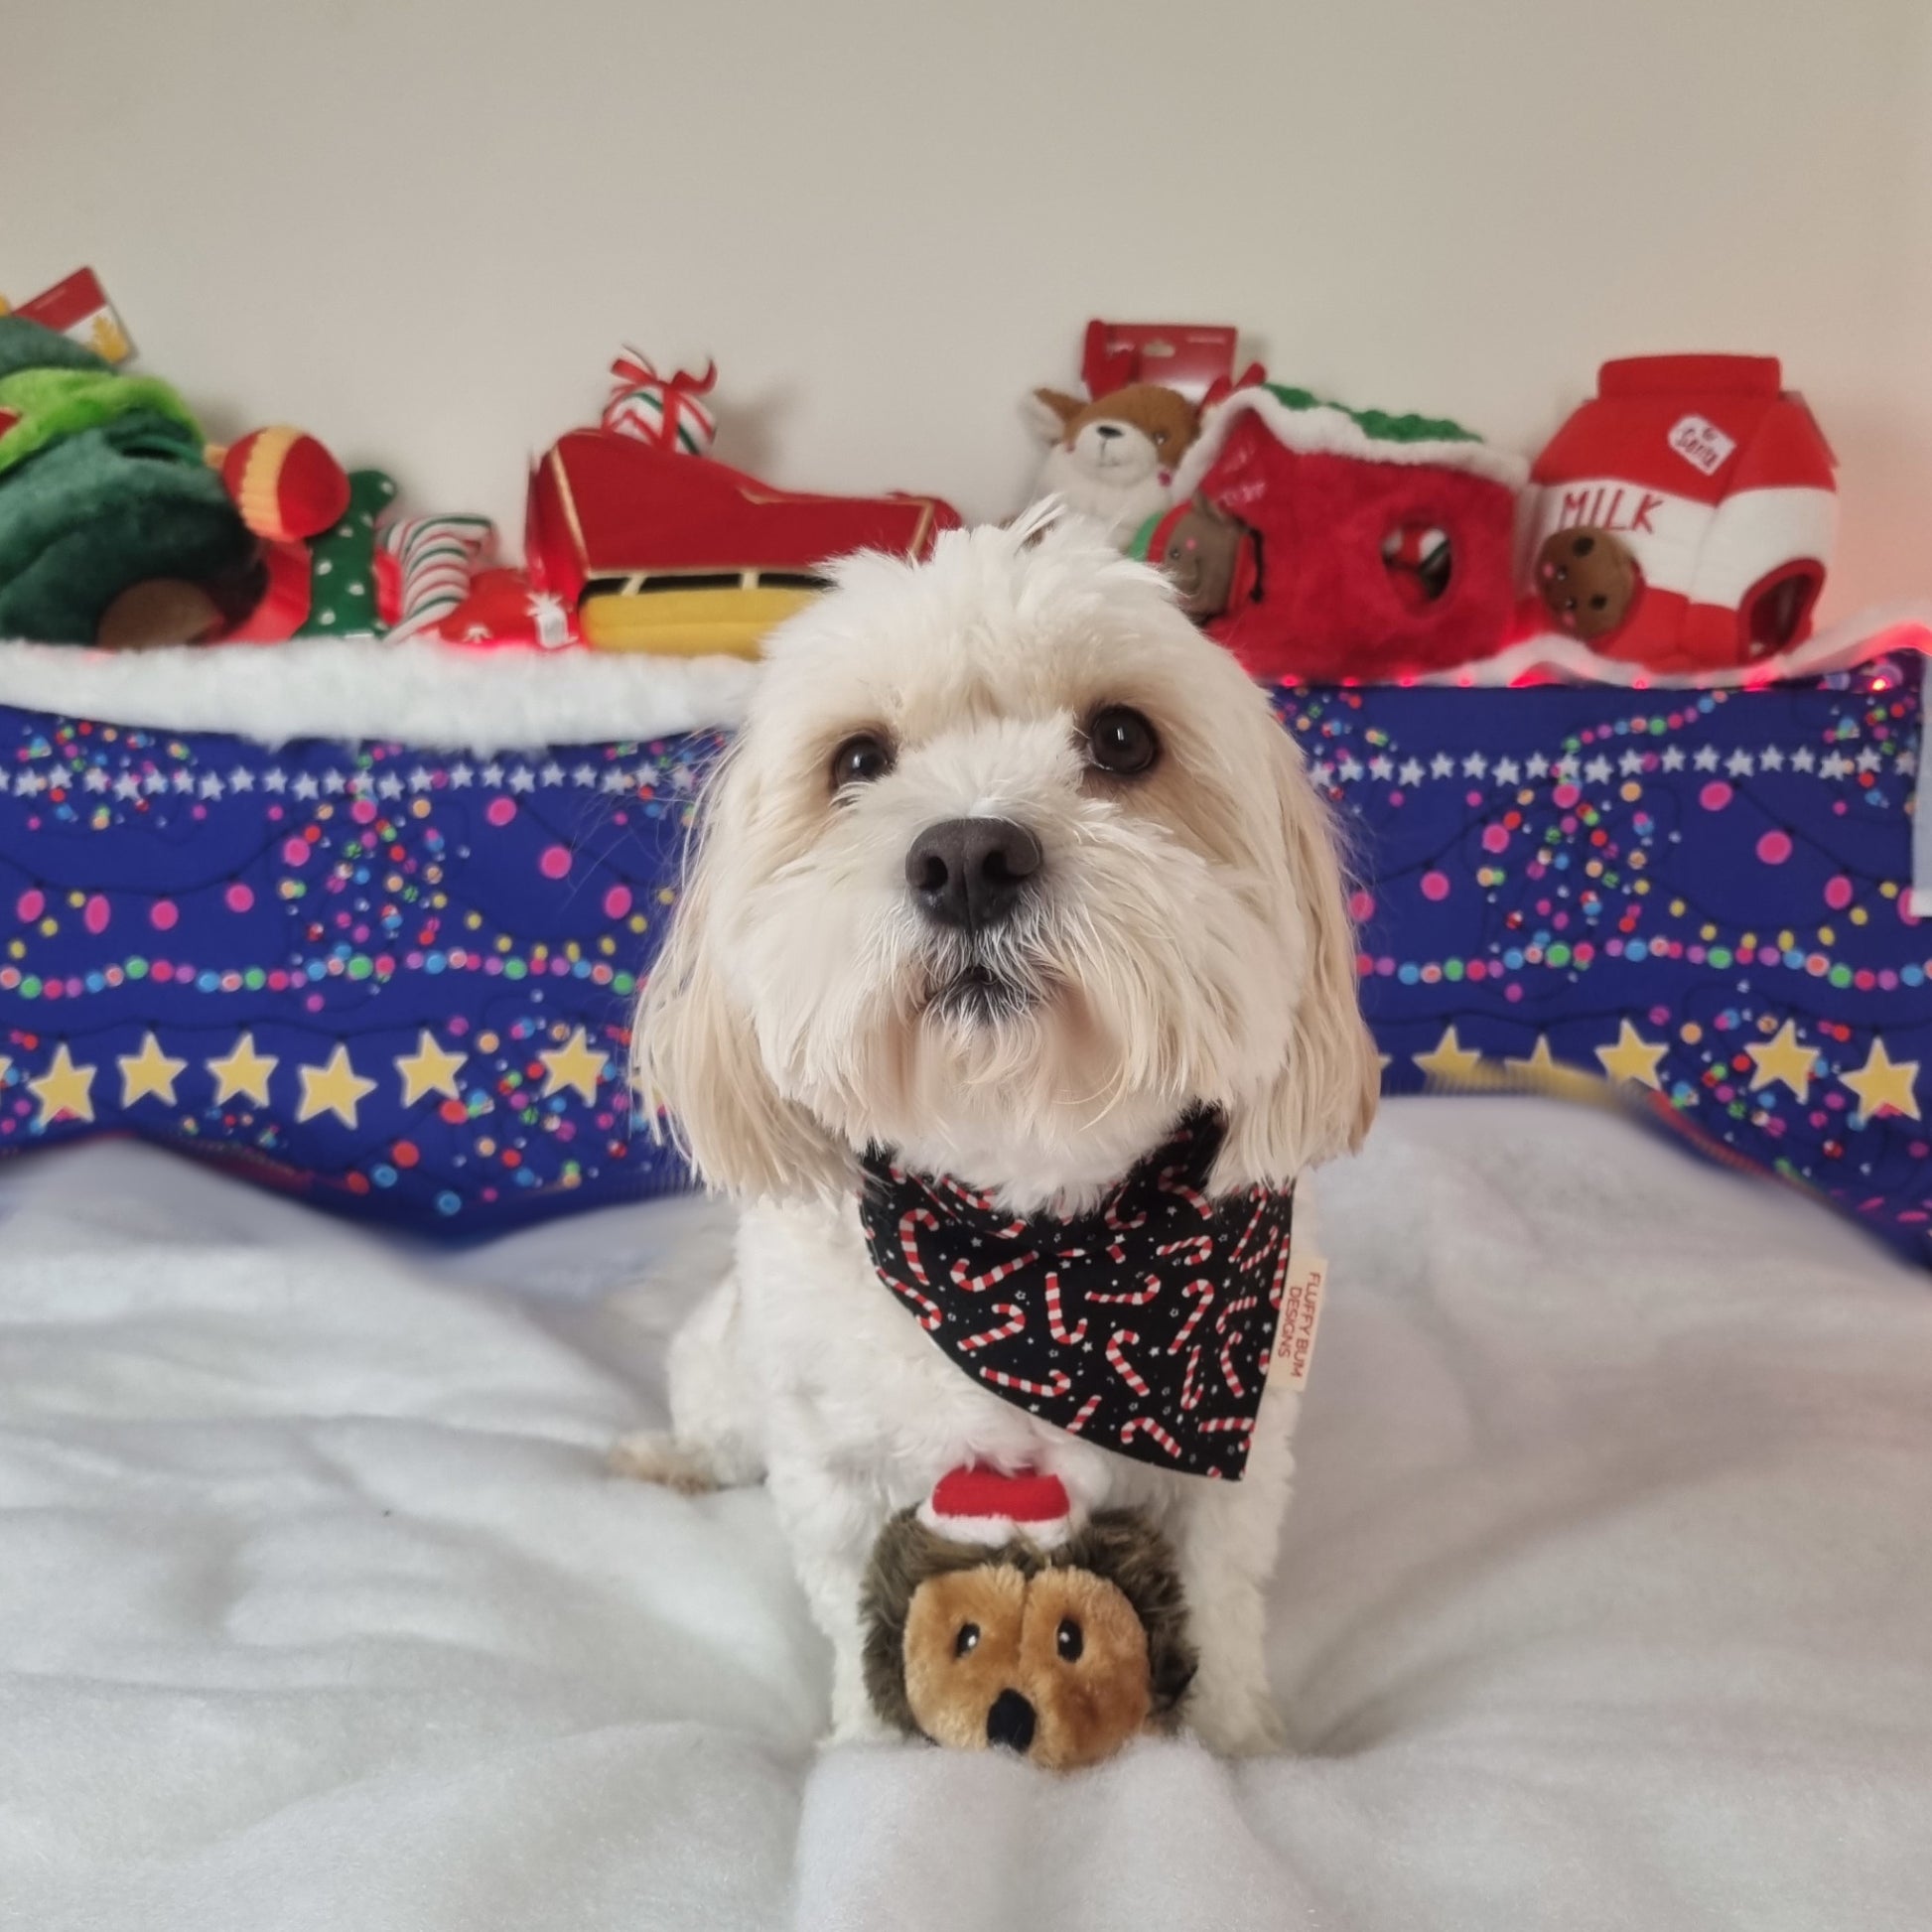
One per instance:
(982, 1505)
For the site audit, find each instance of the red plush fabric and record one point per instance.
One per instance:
(1326, 605)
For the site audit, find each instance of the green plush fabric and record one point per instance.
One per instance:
(342, 601)
(28, 344)
(53, 404)
(1377, 423)
(106, 507)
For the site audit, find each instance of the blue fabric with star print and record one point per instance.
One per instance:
(394, 982)
(398, 983)
(1703, 897)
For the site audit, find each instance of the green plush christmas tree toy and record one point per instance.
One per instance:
(113, 529)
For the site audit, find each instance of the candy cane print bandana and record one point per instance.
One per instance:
(1144, 1326)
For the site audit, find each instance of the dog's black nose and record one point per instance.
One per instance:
(1011, 1722)
(971, 871)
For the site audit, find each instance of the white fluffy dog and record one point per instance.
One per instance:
(1008, 872)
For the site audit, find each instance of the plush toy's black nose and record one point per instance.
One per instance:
(1108, 430)
(1011, 1722)
(971, 871)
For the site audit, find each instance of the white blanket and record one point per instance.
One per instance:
(1607, 1599)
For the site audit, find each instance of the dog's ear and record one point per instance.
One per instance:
(694, 1053)
(1319, 1102)
(1049, 412)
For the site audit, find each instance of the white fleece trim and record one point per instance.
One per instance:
(441, 697)
(1838, 648)
(1326, 430)
(991, 1532)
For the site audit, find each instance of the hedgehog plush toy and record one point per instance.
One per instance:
(994, 1620)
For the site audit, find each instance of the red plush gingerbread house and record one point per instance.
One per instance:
(1381, 546)
(1683, 518)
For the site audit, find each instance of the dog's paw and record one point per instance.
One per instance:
(863, 1727)
(662, 1459)
(1239, 1728)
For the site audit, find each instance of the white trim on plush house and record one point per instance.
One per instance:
(437, 696)
(1840, 646)
(450, 698)
(1327, 429)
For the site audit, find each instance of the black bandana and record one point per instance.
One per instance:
(1146, 1326)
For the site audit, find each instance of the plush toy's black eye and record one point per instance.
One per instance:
(1121, 740)
(860, 759)
(1069, 1641)
(968, 1640)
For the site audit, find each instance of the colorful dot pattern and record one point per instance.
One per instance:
(1544, 868)
(1706, 894)
(467, 934)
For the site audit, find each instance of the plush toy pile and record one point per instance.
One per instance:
(1679, 527)
(1680, 523)
(120, 527)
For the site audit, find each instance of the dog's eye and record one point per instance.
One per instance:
(968, 1640)
(1068, 1640)
(1121, 740)
(860, 759)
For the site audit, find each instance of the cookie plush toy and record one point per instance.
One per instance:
(994, 1618)
(1587, 581)
(1209, 554)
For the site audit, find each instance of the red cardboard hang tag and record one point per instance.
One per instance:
(78, 307)
(1193, 357)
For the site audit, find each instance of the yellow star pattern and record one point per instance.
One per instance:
(575, 1064)
(1632, 1058)
(65, 1091)
(335, 1087)
(429, 1069)
(1884, 1082)
(243, 1072)
(149, 1074)
(1540, 1062)
(1448, 1060)
(1782, 1059)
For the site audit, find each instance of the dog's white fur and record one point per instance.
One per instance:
(1188, 945)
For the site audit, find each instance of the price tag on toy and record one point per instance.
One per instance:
(79, 308)
(1191, 358)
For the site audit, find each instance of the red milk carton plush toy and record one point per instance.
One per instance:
(1683, 518)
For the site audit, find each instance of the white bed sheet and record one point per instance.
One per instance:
(1607, 1599)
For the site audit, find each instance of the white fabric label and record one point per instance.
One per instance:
(1300, 1315)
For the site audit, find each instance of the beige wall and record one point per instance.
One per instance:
(422, 227)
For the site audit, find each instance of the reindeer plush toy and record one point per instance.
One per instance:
(1114, 457)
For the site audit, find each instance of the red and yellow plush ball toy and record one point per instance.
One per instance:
(286, 484)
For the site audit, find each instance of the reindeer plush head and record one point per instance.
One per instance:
(1114, 457)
